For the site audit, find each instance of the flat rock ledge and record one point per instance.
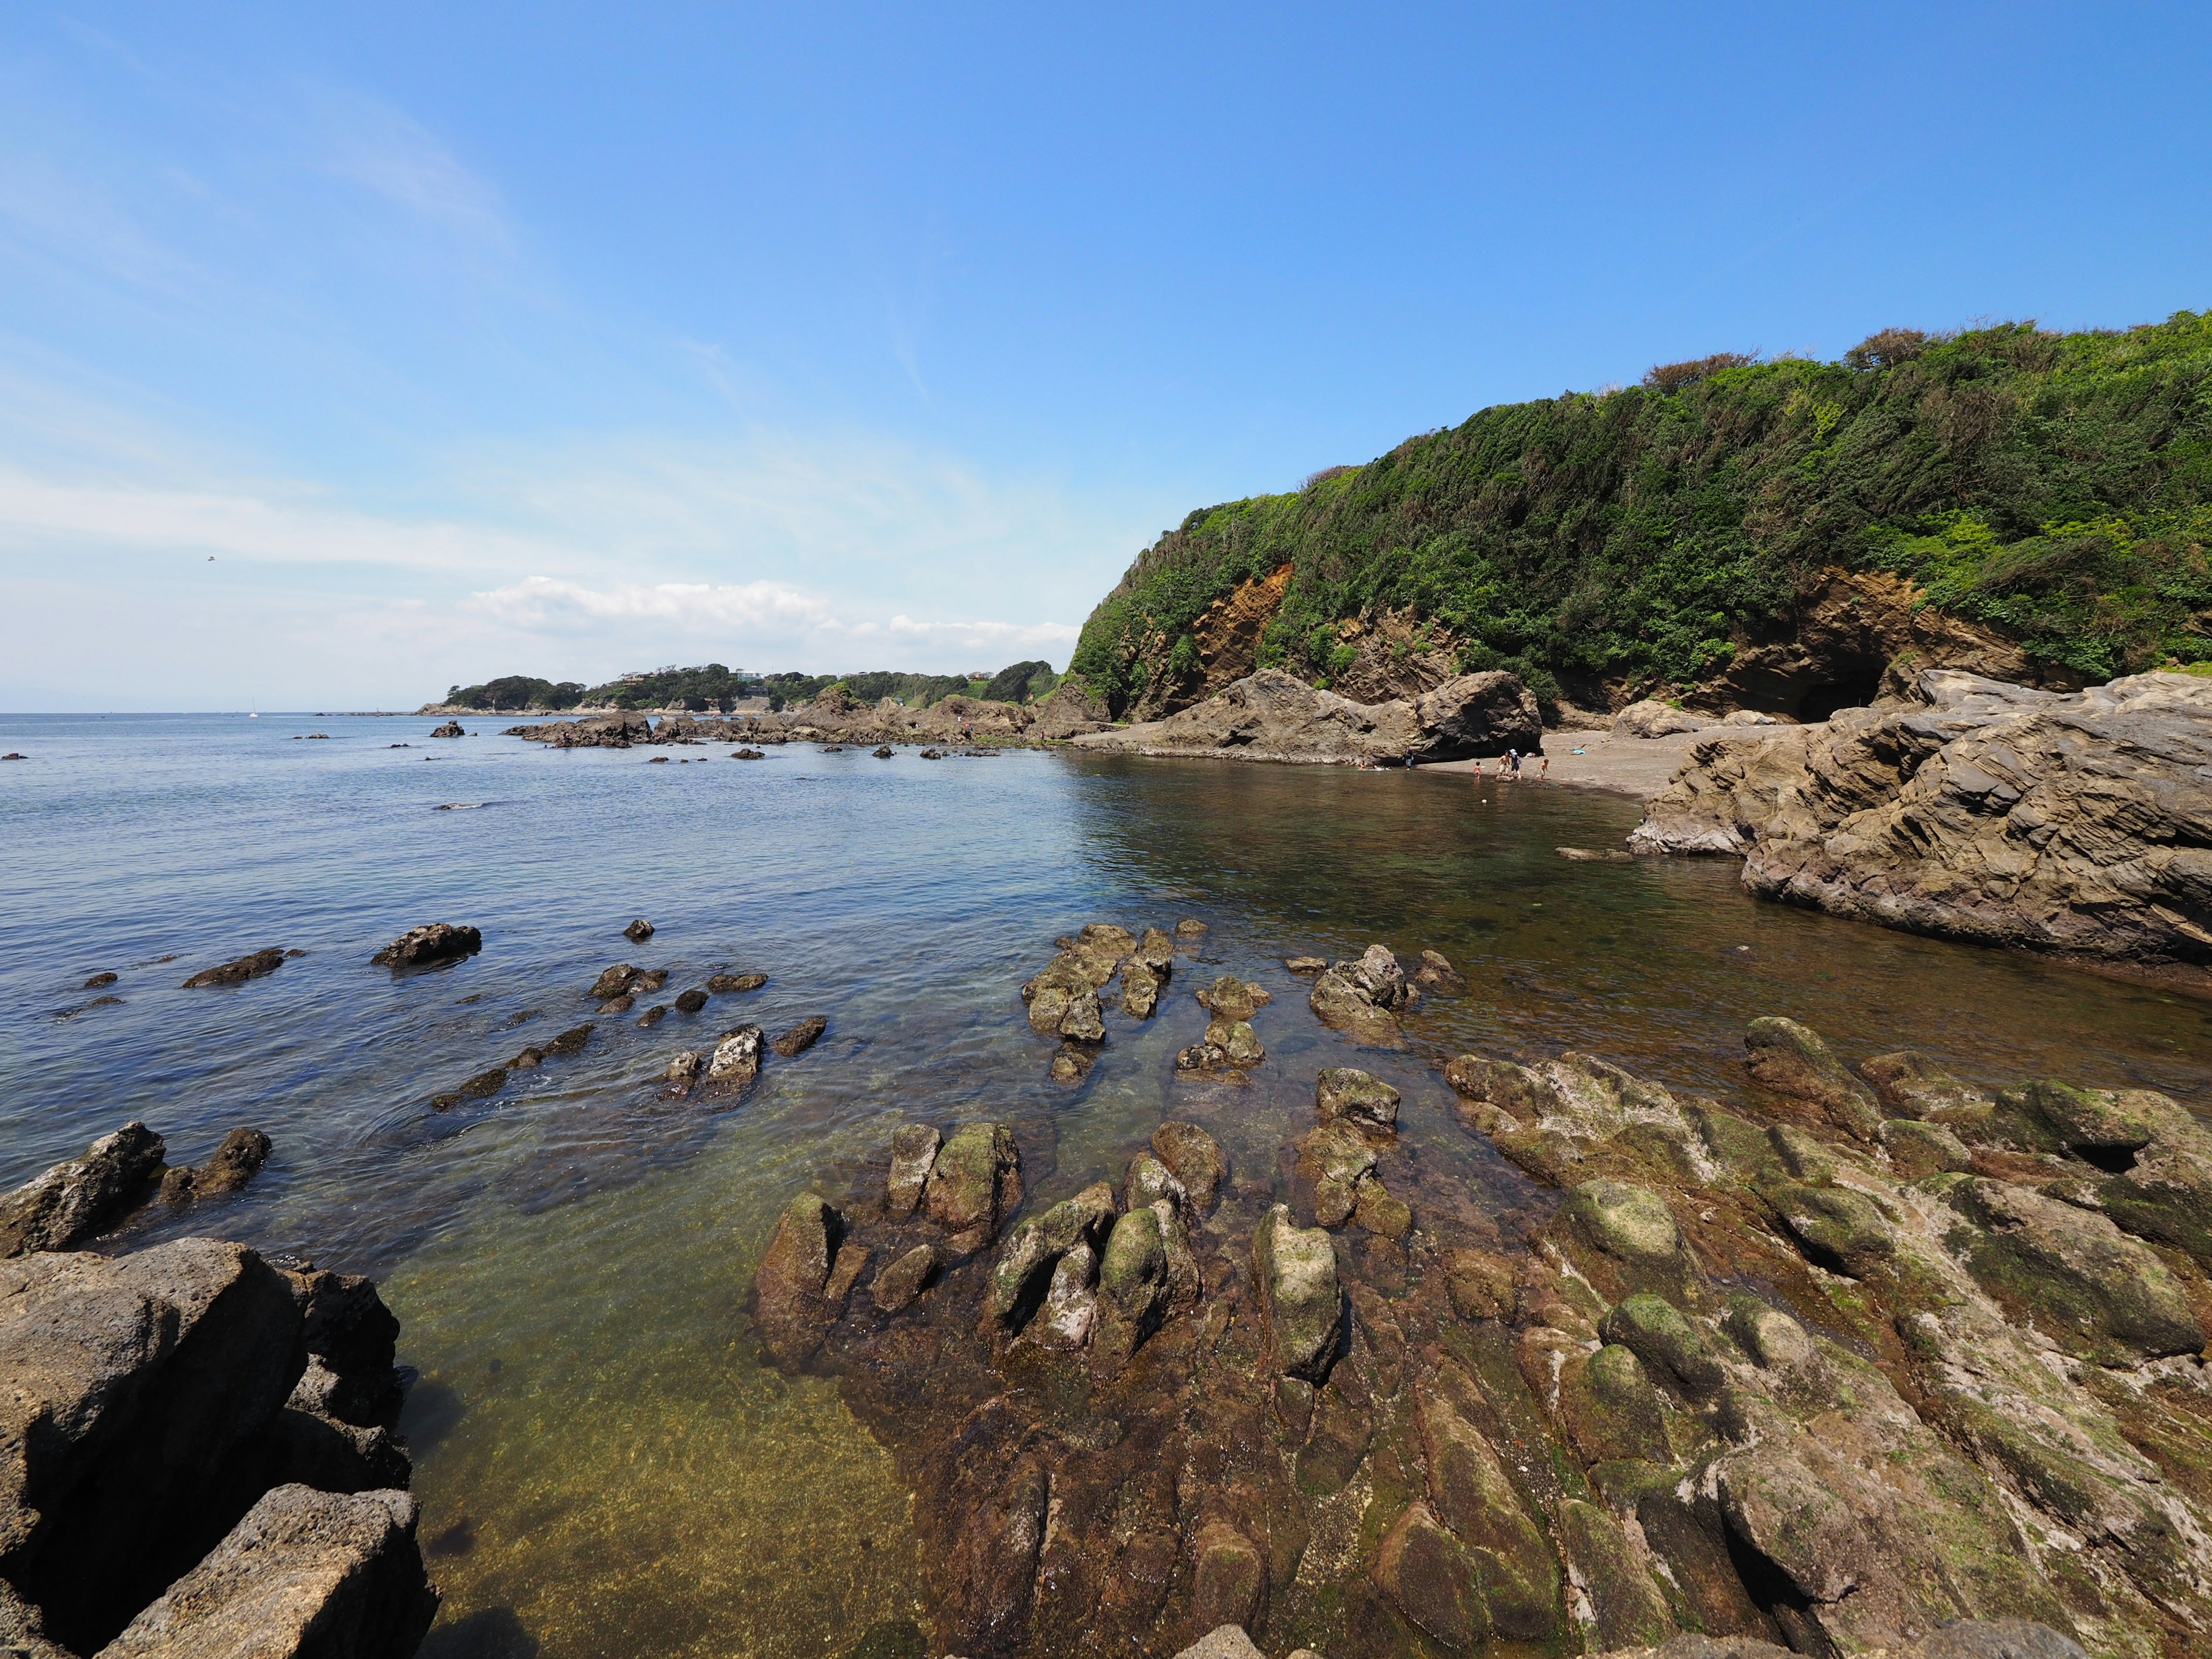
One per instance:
(201, 1460)
(2076, 822)
(1272, 716)
(1869, 1360)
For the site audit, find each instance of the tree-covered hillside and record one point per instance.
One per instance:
(2055, 488)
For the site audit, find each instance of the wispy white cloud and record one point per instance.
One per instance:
(385, 151)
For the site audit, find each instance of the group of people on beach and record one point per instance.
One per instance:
(1508, 765)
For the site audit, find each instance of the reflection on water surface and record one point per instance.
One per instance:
(605, 1469)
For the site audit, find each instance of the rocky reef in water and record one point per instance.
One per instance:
(1836, 1366)
(1272, 716)
(837, 717)
(2074, 823)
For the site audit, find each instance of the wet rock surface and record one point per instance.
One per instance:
(2071, 822)
(202, 1459)
(1871, 1361)
(437, 941)
(75, 1200)
(240, 970)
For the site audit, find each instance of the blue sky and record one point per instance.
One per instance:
(347, 351)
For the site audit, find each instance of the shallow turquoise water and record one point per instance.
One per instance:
(605, 1468)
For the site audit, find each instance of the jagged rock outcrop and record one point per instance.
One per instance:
(2077, 823)
(151, 1406)
(75, 1200)
(1272, 715)
(436, 941)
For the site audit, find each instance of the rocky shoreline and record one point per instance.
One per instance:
(1855, 1363)
(2075, 824)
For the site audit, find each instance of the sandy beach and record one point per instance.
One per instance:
(1634, 766)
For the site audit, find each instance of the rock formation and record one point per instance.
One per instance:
(200, 1460)
(436, 941)
(838, 719)
(2078, 822)
(1870, 1362)
(1272, 715)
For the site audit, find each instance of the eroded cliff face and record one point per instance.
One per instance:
(2078, 822)
(1850, 627)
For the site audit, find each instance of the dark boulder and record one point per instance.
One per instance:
(240, 971)
(638, 932)
(75, 1200)
(230, 1167)
(732, 984)
(800, 1037)
(436, 941)
(450, 729)
(690, 1002)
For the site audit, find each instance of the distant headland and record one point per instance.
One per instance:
(737, 690)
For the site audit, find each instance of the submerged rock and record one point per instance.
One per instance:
(733, 984)
(801, 1037)
(243, 969)
(1357, 1098)
(434, 941)
(789, 1305)
(84, 1197)
(1194, 1158)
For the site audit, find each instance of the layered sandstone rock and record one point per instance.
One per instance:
(2079, 823)
(1272, 715)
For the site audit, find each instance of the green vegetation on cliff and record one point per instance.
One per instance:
(715, 687)
(2055, 488)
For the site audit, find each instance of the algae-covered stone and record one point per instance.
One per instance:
(1232, 1577)
(1840, 1228)
(1791, 1059)
(1069, 1311)
(1083, 1022)
(1132, 1289)
(900, 1284)
(787, 1286)
(1295, 1270)
(1047, 1008)
(1342, 1092)
(975, 1180)
(1624, 1237)
(1149, 1179)
(1236, 1040)
(1471, 1493)
(1626, 1608)
(1913, 1086)
(2072, 1272)
(1195, 1159)
(1378, 1212)
(914, 1153)
(1231, 998)
(1140, 989)
(1430, 1576)
(1336, 1159)
(1611, 1408)
(1339, 1003)
(1918, 1149)
(1026, 1259)
(1666, 1343)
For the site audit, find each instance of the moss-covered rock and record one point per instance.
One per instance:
(1625, 1238)
(1791, 1059)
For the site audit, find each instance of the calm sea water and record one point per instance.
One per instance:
(603, 1467)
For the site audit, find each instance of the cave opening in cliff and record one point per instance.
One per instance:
(1822, 700)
